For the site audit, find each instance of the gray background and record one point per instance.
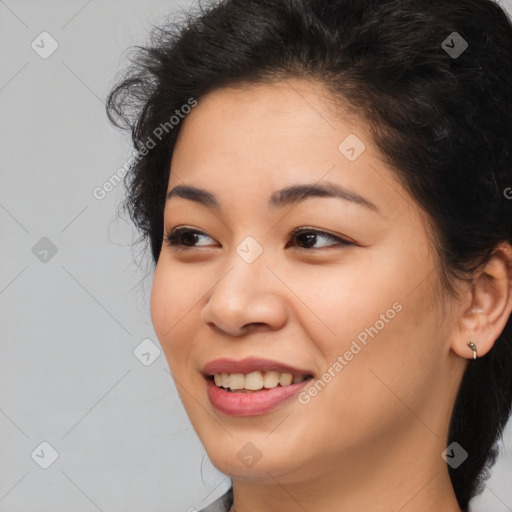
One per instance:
(70, 321)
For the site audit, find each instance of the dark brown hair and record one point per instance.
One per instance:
(442, 120)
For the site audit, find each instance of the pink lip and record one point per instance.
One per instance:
(258, 402)
(251, 404)
(250, 364)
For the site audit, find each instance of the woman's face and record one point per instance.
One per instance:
(350, 301)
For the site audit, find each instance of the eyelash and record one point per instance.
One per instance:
(172, 238)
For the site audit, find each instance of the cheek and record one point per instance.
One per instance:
(172, 301)
(381, 320)
(161, 303)
(339, 303)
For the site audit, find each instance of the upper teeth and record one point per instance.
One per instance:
(255, 380)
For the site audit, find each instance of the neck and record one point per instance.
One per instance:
(427, 496)
(411, 477)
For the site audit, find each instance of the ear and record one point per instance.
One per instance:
(488, 306)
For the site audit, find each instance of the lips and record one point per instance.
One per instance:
(254, 404)
(251, 364)
(242, 402)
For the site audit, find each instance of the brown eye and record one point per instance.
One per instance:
(306, 238)
(184, 237)
(309, 237)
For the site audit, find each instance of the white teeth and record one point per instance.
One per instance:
(236, 381)
(285, 379)
(270, 379)
(255, 380)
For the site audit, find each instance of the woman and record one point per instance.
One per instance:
(325, 185)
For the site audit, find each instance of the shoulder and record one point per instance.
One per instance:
(222, 504)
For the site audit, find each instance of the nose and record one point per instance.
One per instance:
(249, 298)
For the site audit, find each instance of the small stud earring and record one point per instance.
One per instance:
(472, 346)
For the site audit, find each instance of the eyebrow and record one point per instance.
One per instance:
(280, 198)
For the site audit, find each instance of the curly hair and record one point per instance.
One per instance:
(441, 120)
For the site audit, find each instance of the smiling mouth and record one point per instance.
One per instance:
(254, 382)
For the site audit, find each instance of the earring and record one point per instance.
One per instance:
(472, 346)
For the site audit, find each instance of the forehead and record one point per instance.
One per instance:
(290, 108)
(260, 138)
(272, 127)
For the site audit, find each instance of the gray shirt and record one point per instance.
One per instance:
(222, 504)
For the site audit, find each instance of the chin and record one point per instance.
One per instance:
(246, 463)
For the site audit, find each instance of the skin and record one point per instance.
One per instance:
(372, 438)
